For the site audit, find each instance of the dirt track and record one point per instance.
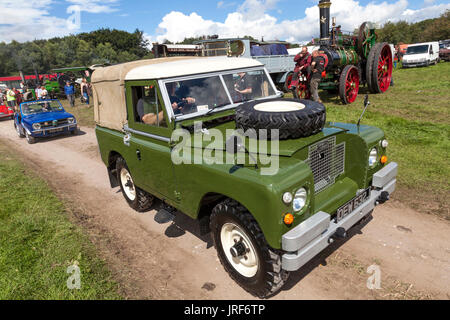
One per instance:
(171, 261)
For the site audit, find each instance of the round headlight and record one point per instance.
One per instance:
(36, 126)
(384, 143)
(300, 199)
(71, 120)
(287, 198)
(373, 157)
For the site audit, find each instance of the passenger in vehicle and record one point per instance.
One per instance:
(243, 88)
(147, 108)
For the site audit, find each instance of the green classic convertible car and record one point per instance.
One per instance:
(269, 178)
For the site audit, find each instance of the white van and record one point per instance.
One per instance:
(421, 54)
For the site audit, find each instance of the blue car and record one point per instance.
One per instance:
(43, 119)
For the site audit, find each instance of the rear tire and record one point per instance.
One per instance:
(381, 66)
(137, 198)
(258, 268)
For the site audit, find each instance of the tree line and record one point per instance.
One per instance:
(423, 31)
(84, 49)
(116, 46)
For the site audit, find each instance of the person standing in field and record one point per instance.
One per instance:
(85, 90)
(11, 98)
(18, 97)
(318, 67)
(69, 90)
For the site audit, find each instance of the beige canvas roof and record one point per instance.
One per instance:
(108, 82)
(109, 94)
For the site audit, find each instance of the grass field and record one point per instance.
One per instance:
(415, 116)
(38, 242)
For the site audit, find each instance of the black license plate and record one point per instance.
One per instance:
(55, 130)
(352, 205)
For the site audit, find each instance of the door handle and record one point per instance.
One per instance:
(126, 139)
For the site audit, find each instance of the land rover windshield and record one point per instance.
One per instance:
(207, 94)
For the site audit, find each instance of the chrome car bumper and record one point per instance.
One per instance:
(312, 236)
(52, 130)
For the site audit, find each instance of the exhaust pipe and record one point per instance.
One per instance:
(324, 6)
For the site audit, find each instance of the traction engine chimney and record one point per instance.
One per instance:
(324, 6)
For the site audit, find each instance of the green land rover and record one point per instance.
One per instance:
(269, 178)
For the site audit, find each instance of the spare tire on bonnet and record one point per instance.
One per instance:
(293, 118)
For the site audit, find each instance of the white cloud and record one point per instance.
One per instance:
(94, 6)
(252, 18)
(25, 20)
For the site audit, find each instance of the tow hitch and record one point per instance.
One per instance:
(339, 234)
(384, 197)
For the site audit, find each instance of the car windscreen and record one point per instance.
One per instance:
(417, 49)
(246, 86)
(41, 107)
(203, 94)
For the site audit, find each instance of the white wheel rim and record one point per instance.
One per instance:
(280, 106)
(248, 264)
(125, 177)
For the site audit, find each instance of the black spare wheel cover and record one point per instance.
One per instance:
(293, 118)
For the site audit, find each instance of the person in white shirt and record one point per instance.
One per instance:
(38, 93)
(44, 93)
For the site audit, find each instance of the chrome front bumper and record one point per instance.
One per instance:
(50, 129)
(312, 236)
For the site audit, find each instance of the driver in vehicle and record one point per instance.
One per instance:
(179, 104)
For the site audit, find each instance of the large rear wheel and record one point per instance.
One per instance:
(379, 68)
(349, 84)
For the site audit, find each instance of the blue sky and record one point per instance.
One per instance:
(292, 20)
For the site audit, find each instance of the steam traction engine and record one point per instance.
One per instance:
(350, 61)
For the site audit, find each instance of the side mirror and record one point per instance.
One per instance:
(234, 144)
(366, 101)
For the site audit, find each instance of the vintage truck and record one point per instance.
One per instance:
(189, 132)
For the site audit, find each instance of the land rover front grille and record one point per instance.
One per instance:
(327, 162)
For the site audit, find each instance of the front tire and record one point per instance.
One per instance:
(349, 84)
(244, 252)
(30, 139)
(18, 131)
(137, 198)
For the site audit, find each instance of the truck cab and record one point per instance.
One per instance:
(421, 55)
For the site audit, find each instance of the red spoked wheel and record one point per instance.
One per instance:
(379, 68)
(302, 91)
(384, 69)
(288, 81)
(349, 84)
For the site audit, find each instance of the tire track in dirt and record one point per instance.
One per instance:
(172, 261)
